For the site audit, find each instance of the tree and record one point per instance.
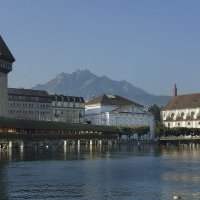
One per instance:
(155, 110)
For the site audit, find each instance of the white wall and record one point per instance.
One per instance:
(123, 116)
(98, 108)
(189, 118)
(66, 112)
(30, 110)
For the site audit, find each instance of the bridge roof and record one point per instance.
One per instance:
(55, 126)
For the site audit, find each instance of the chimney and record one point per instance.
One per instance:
(175, 90)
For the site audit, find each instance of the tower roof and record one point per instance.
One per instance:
(5, 53)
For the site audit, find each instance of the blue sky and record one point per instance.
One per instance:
(151, 43)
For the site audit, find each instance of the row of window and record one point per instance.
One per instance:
(59, 113)
(28, 112)
(29, 105)
(67, 104)
(67, 99)
(179, 124)
(182, 114)
(28, 98)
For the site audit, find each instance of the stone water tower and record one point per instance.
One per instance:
(6, 61)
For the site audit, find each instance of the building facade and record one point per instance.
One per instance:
(6, 61)
(68, 109)
(182, 111)
(29, 104)
(39, 105)
(113, 110)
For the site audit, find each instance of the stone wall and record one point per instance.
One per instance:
(3, 95)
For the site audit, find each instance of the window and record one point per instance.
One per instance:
(192, 115)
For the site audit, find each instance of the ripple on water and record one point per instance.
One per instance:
(119, 175)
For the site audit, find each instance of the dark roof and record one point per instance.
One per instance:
(27, 92)
(5, 53)
(112, 100)
(183, 102)
(44, 125)
(42, 93)
(67, 98)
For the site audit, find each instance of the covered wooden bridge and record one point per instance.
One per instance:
(16, 128)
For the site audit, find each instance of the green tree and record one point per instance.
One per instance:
(155, 110)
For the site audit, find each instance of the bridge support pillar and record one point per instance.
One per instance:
(119, 138)
(78, 145)
(100, 142)
(10, 150)
(10, 145)
(91, 143)
(109, 142)
(21, 149)
(21, 146)
(65, 146)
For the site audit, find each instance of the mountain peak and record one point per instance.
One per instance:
(84, 83)
(61, 75)
(79, 71)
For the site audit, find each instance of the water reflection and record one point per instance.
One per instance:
(80, 170)
(68, 150)
(3, 184)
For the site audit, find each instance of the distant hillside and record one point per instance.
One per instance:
(86, 84)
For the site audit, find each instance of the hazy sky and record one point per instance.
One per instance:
(152, 43)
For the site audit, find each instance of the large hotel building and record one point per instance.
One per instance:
(39, 105)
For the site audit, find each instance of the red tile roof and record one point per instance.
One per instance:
(183, 102)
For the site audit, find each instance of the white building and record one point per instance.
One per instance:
(113, 110)
(182, 111)
(68, 109)
(6, 61)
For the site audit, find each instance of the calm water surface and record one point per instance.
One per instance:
(118, 173)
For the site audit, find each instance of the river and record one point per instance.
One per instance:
(126, 172)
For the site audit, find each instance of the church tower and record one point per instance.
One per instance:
(6, 61)
(175, 90)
